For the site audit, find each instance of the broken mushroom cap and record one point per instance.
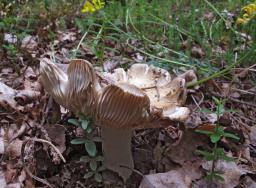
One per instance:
(165, 95)
(74, 90)
(54, 81)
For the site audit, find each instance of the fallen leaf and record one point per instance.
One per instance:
(197, 52)
(185, 150)
(2, 178)
(29, 42)
(57, 135)
(10, 38)
(232, 172)
(173, 179)
(14, 148)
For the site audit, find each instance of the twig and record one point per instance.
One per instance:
(23, 159)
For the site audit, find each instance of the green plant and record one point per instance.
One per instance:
(217, 153)
(89, 141)
(11, 49)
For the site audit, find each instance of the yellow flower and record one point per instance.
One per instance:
(250, 9)
(241, 21)
(249, 13)
(92, 5)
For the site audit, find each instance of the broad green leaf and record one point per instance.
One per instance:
(90, 148)
(204, 132)
(74, 122)
(93, 165)
(98, 177)
(215, 138)
(78, 141)
(85, 124)
(230, 135)
(85, 159)
(88, 175)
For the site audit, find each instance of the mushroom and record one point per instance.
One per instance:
(143, 97)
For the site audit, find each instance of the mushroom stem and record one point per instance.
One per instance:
(116, 146)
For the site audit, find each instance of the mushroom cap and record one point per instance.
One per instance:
(74, 90)
(142, 95)
(54, 80)
(81, 90)
(164, 93)
(122, 105)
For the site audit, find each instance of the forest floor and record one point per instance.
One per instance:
(205, 36)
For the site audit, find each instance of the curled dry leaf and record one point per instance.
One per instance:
(144, 96)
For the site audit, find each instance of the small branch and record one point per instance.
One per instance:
(27, 169)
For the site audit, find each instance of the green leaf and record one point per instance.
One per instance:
(215, 138)
(205, 110)
(217, 101)
(219, 130)
(99, 158)
(97, 139)
(218, 177)
(90, 148)
(85, 159)
(204, 132)
(230, 135)
(77, 141)
(207, 155)
(233, 110)
(226, 158)
(85, 124)
(101, 168)
(88, 175)
(93, 165)
(74, 122)
(98, 177)
(89, 130)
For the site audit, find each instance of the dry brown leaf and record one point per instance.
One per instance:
(57, 136)
(30, 43)
(185, 150)
(232, 172)
(14, 148)
(173, 179)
